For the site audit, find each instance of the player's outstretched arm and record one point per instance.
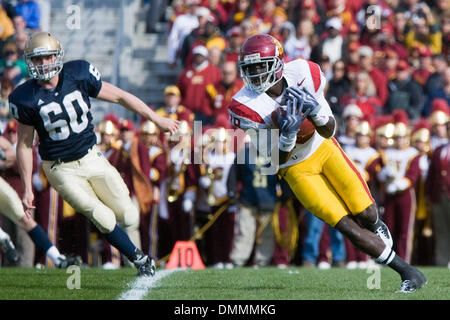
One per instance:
(24, 151)
(113, 94)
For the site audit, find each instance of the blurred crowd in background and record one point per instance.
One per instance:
(387, 66)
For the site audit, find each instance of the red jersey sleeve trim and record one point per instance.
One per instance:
(243, 111)
(315, 74)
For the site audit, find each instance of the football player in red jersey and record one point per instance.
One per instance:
(290, 98)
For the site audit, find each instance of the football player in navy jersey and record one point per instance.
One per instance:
(56, 103)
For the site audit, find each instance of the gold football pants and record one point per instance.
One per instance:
(328, 184)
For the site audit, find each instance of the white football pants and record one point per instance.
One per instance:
(93, 187)
(10, 203)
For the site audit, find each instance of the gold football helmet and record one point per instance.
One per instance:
(43, 44)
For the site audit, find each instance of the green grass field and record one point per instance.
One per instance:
(293, 283)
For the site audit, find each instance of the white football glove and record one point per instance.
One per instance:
(309, 104)
(289, 121)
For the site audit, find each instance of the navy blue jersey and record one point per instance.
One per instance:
(258, 189)
(61, 116)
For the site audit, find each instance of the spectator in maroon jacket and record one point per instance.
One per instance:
(387, 41)
(378, 78)
(221, 92)
(193, 82)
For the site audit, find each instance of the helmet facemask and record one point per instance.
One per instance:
(264, 80)
(44, 71)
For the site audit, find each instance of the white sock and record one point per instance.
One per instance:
(3, 235)
(386, 256)
(54, 254)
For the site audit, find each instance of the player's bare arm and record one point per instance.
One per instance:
(326, 130)
(284, 156)
(113, 94)
(25, 163)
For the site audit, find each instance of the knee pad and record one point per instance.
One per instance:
(103, 218)
(128, 215)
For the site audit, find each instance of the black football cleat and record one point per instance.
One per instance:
(144, 264)
(414, 282)
(9, 250)
(65, 262)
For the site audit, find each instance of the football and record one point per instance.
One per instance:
(306, 129)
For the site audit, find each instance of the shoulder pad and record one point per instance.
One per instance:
(244, 118)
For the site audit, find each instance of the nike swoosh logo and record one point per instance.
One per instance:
(300, 83)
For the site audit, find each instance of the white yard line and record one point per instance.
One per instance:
(142, 285)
